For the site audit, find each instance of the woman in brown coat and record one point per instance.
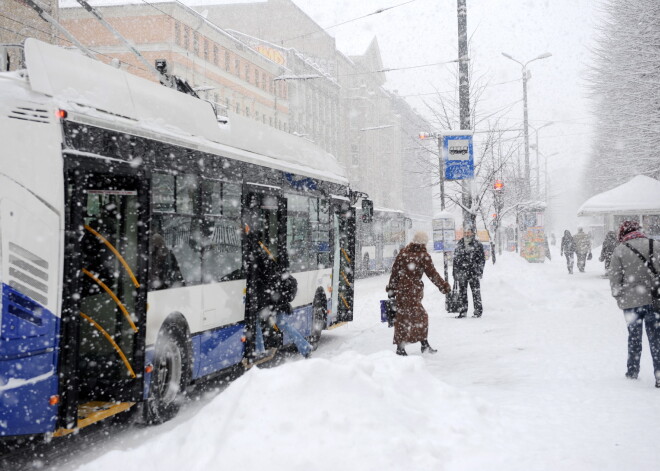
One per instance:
(407, 289)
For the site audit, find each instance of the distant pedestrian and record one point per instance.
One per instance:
(468, 268)
(631, 281)
(568, 249)
(407, 289)
(582, 248)
(553, 239)
(609, 244)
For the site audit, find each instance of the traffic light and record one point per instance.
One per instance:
(425, 135)
(498, 185)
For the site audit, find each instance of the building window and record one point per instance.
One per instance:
(186, 38)
(215, 54)
(256, 115)
(177, 33)
(256, 77)
(227, 59)
(206, 49)
(247, 111)
(237, 67)
(238, 108)
(247, 72)
(196, 44)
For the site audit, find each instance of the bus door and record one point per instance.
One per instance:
(105, 296)
(343, 273)
(264, 214)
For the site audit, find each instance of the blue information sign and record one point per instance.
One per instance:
(458, 156)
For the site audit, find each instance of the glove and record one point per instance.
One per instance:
(589, 257)
(446, 289)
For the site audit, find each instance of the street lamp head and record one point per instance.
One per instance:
(507, 56)
(544, 55)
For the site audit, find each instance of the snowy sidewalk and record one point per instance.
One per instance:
(536, 384)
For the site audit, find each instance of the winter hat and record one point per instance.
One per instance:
(421, 237)
(627, 227)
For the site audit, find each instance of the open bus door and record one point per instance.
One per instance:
(264, 214)
(104, 299)
(344, 261)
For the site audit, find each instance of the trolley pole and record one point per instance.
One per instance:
(469, 219)
(441, 168)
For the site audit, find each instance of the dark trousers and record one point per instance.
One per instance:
(581, 260)
(476, 295)
(570, 259)
(634, 318)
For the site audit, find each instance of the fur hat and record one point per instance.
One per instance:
(421, 237)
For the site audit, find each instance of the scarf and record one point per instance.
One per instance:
(633, 235)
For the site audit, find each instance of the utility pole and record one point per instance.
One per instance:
(469, 219)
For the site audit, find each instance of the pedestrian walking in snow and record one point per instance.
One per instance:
(609, 245)
(632, 283)
(582, 248)
(407, 289)
(568, 249)
(468, 268)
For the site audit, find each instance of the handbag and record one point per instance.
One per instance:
(453, 300)
(655, 276)
(589, 257)
(387, 311)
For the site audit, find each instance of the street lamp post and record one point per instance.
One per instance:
(538, 178)
(526, 131)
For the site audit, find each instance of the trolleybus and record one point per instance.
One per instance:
(123, 206)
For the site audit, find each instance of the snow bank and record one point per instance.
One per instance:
(357, 411)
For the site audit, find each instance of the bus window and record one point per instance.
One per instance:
(221, 245)
(320, 220)
(174, 199)
(298, 234)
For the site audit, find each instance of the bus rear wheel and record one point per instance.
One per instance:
(170, 375)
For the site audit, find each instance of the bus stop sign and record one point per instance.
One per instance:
(458, 155)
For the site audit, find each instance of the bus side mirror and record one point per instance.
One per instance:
(367, 211)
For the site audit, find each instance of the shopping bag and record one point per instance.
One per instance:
(387, 311)
(453, 300)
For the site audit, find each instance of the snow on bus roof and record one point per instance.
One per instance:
(70, 77)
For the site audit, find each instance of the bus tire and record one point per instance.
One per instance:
(319, 316)
(170, 376)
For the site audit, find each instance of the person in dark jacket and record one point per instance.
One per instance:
(411, 324)
(582, 243)
(268, 300)
(469, 261)
(609, 244)
(568, 249)
(632, 283)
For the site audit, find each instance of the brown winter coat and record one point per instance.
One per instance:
(412, 321)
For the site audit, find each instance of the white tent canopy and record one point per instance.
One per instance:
(641, 195)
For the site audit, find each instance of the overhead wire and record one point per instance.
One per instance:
(380, 10)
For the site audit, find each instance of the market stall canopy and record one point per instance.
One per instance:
(640, 195)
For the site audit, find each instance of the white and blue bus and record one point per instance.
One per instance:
(122, 212)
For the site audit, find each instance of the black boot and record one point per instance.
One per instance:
(426, 348)
(401, 350)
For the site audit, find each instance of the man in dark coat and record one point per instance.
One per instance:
(582, 243)
(406, 287)
(568, 249)
(632, 283)
(469, 261)
(268, 300)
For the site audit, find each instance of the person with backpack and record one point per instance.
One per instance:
(634, 286)
(270, 290)
(568, 249)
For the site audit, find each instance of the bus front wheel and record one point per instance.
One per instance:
(170, 375)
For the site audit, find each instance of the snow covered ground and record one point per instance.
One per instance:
(536, 384)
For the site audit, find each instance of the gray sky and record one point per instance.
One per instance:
(425, 31)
